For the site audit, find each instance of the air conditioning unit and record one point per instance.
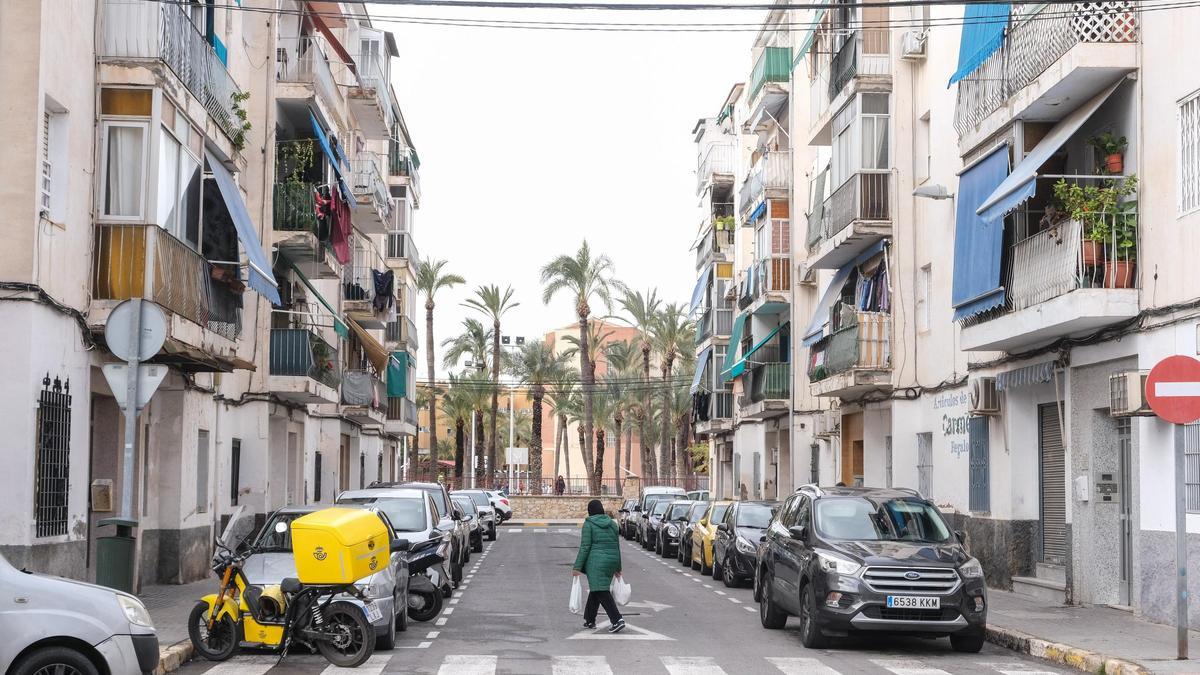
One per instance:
(1127, 394)
(828, 423)
(985, 399)
(806, 274)
(912, 45)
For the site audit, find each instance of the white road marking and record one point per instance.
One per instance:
(454, 601)
(691, 665)
(800, 666)
(720, 592)
(1173, 389)
(580, 665)
(734, 600)
(708, 585)
(697, 581)
(907, 667)
(254, 665)
(468, 665)
(448, 611)
(440, 622)
(542, 529)
(630, 633)
(565, 531)
(517, 530)
(1016, 668)
(433, 634)
(372, 666)
(420, 645)
(750, 609)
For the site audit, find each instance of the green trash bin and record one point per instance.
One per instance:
(115, 555)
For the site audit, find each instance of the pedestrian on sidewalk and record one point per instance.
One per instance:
(560, 486)
(600, 559)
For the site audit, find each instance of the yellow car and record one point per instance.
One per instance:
(705, 532)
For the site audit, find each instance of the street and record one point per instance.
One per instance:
(510, 616)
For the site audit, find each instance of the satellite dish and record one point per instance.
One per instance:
(152, 333)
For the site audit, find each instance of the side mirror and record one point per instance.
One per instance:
(798, 532)
(455, 515)
(399, 545)
(762, 539)
(961, 536)
(723, 527)
(622, 510)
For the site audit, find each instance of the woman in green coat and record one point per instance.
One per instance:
(600, 558)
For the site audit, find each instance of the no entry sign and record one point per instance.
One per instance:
(1173, 389)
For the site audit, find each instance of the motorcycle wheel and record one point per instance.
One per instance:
(353, 640)
(216, 645)
(424, 606)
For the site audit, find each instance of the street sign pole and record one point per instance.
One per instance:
(1181, 553)
(131, 412)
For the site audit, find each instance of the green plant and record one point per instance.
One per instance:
(724, 222)
(242, 124)
(295, 157)
(1108, 143)
(1098, 207)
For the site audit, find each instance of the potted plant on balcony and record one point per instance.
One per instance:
(1121, 263)
(1111, 148)
(723, 223)
(1089, 205)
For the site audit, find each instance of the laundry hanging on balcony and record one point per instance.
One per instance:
(358, 388)
(698, 291)
(333, 215)
(701, 367)
(335, 156)
(982, 34)
(260, 276)
(385, 293)
(818, 327)
(376, 353)
(397, 374)
(978, 244)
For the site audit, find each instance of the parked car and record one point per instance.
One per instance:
(683, 552)
(487, 513)
(474, 520)
(736, 542)
(500, 503)
(854, 559)
(660, 491)
(698, 495)
(273, 561)
(671, 529)
(460, 549)
(627, 518)
(652, 520)
(704, 533)
(56, 625)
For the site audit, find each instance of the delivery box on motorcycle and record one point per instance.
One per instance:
(339, 546)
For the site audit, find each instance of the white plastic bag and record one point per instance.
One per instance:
(621, 590)
(576, 603)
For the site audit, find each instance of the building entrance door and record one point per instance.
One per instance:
(1125, 486)
(1053, 485)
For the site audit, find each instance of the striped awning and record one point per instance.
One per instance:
(1025, 376)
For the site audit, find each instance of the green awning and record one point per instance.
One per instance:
(740, 367)
(735, 340)
(807, 35)
(338, 325)
(397, 375)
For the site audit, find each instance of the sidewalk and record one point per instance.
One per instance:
(1091, 639)
(542, 522)
(169, 607)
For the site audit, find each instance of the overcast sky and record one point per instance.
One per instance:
(532, 140)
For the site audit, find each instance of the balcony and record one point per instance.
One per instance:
(403, 166)
(1057, 52)
(364, 398)
(719, 414)
(296, 233)
(1062, 283)
(302, 367)
(854, 217)
(716, 164)
(401, 333)
(765, 287)
(203, 300)
(371, 97)
(771, 176)
(769, 388)
(358, 285)
(401, 416)
(139, 30)
(774, 66)
(371, 193)
(714, 246)
(304, 72)
(714, 323)
(400, 250)
(840, 70)
(854, 359)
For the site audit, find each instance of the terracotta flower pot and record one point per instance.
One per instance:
(1119, 274)
(1091, 251)
(1115, 163)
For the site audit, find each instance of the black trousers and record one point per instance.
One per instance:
(597, 598)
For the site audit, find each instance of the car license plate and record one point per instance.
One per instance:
(914, 602)
(373, 613)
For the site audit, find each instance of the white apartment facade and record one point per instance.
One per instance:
(179, 153)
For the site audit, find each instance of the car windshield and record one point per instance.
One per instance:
(660, 507)
(270, 541)
(466, 504)
(406, 514)
(697, 513)
(678, 511)
(439, 498)
(479, 498)
(754, 515)
(895, 519)
(718, 513)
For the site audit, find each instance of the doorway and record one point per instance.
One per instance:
(1052, 463)
(1125, 448)
(344, 464)
(295, 471)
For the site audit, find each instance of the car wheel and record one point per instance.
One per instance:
(492, 532)
(58, 660)
(970, 643)
(728, 576)
(402, 617)
(757, 585)
(770, 616)
(478, 545)
(388, 639)
(705, 568)
(716, 567)
(695, 565)
(810, 632)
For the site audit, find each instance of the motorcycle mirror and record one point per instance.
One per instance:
(723, 527)
(281, 527)
(400, 545)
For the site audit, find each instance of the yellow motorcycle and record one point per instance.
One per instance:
(276, 616)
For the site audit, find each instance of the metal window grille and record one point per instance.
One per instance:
(235, 470)
(887, 458)
(1189, 153)
(925, 463)
(979, 452)
(52, 485)
(317, 477)
(1191, 467)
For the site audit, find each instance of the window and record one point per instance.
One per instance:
(317, 476)
(202, 471)
(856, 518)
(123, 169)
(1191, 467)
(53, 164)
(843, 138)
(874, 140)
(922, 153)
(1189, 153)
(887, 460)
(179, 178)
(51, 486)
(924, 292)
(925, 464)
(235, 470)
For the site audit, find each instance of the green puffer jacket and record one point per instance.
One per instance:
(599, 552)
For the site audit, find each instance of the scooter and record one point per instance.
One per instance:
(426, 578)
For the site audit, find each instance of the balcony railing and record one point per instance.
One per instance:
(295, 208)
(401, 164)
(363, 388)
(372, 78)
(1062, 259)
(717, 322)
(716, 244)
(142, 29)
(303, 60)
(773, 65)
(367, 180)
(865, 196)
(358, 282)
(145, 261)
(402, 410)
(400, 245)
(864, 342)
(718, 159)
(402, 330)
(720, 406)
(299, 352)
(1034, 43)
(769, 381)
(773, 171)
(865, 52)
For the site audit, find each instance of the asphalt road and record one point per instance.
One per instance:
(511, 616)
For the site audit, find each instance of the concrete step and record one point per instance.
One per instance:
(1051, 572)
(1041, 589)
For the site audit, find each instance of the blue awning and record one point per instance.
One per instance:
(740, 367)
(758, 212)
(820, 319)
(1025, 376)
(735, 343)
(333, 158)
(978, 244)
(982, 34)
(1022, 182)
(260, 277)
(698, 292)
(701, 366)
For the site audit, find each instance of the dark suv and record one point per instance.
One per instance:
(848, 559)
(737, 539)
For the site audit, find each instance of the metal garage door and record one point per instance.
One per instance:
(1054, 480)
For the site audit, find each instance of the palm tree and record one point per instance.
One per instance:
(473, 342)
(604, 407)
(537, 366)
(456, 405)
(477, 388)
(584, 277)
(670, 333)
(493, 303)
(642, 310)
(562, 389)
(620, 357)
(430, 280)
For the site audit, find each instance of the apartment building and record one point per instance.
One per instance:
(232, 167)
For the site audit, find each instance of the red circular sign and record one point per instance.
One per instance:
(1173, 389)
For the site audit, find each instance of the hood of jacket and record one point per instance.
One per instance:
(602, 520)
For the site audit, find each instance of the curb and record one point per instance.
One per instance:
(542, 523)
(1072, 657)
(173, 657)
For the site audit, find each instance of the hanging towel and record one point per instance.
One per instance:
(384, 290)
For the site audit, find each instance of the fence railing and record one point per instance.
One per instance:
(155, 30)
(400, 409)
(717, 159)
(403, 329)
(299, 352)
(1070, 256)
(364, 389)
(1034, 42)
(865, 196)
(720, 406)
(715, 243)
(304, 60)
(863, 344)
(400, 245)
(865, 52)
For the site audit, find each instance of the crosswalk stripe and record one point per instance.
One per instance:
(254, 665)
(691, 665)
(517, 530)
(1016, 668)
(800, 666)
(540, 529)
(372, 666)
(907, 667)
(580, 665)
(459, 664)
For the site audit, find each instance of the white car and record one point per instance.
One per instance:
(488, 516)
(500, 503)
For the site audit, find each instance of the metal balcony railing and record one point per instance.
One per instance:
(720, 406)
(862, 343)
(718, 159)
(295, 208)
(299, 352)
(358, 279)
(400, 163)
(773, 171)
(303, 60)
(367, 180)
(402, 330)
(402, 409)
(372, 77)
(769, 381)
(400, 245)
(145, 261)
(143, 29)
(716, 244)
(865, 52)
(774, 64)
(1034, 42)
(865, 196)
(1066, 257)
(363, 388)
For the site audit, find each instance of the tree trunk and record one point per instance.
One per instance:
(649, 467)
(535, 442)
(433, 453)
(667, 459)
(478, 449)
(628, 446)
(598, 473)
(589, 381)
(557, 444)
(495, 399)
(617, 455)
(460, 442)
(685, 454)
(562, 428)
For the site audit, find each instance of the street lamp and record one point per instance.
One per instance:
(935, 191)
